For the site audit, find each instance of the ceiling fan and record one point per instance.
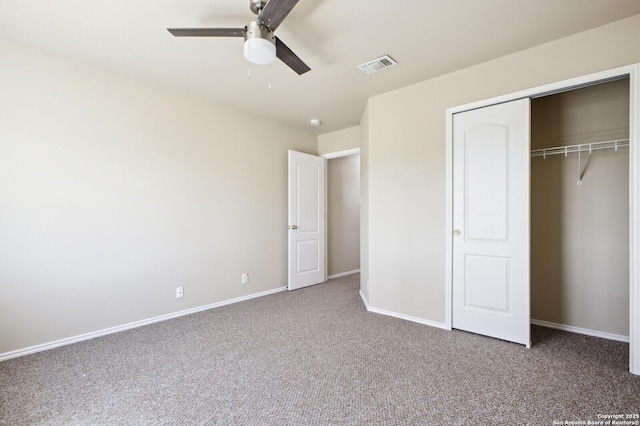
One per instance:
(261, 46)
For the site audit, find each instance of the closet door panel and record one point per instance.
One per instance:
(491, 221)
(486, 183)
(487, 283)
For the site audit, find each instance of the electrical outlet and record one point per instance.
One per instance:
(245, 278)
(179, 292)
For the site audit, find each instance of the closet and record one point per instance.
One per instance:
(580, 210)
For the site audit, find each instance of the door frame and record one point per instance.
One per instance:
(338, 154)
(631, 71)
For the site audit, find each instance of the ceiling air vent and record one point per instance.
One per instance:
(377, 64)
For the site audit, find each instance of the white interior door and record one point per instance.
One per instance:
(307, 235)
(491, 221)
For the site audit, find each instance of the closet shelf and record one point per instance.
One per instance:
(586, 147)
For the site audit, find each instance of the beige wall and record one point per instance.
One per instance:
(114, 192)
(343, 214)
(580, 234)
(341, 140)
(405, 160)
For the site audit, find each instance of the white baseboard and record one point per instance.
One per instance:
(342, 274)
(119, 328)
(402, 316)
(364, 300)
(579, 330)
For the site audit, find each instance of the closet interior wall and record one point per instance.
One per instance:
(580, 233)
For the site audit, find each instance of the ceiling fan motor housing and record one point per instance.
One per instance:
(259, 44)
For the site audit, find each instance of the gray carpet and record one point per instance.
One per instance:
(316, 357)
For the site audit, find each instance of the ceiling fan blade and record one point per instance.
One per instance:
(207, 32)
(287, 56)
(275, 11)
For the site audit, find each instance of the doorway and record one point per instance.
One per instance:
(633, 73)
(309, 243)
(343, 215)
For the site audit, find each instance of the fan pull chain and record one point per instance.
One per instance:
(269, 85)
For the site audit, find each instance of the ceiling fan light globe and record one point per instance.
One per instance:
(259, 51)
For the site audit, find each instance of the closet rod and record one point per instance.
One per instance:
(568, 149)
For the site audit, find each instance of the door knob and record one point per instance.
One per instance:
(456, 233)
(293, 227)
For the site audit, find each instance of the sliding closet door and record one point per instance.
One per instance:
(491, 221)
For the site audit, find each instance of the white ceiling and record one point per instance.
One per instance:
(427, 37)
